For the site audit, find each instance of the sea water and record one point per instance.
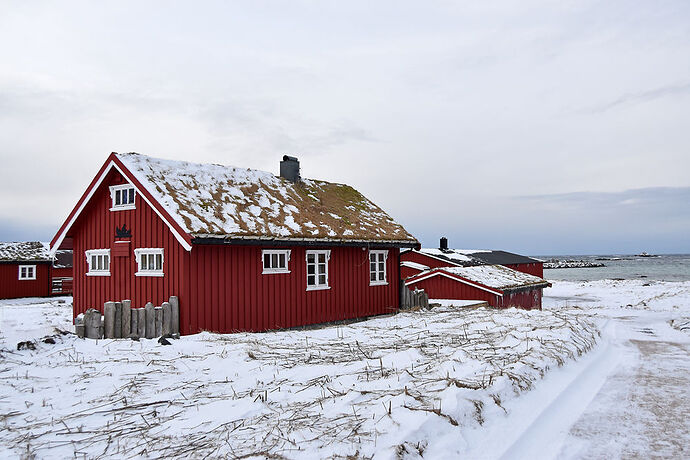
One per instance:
(667, 267)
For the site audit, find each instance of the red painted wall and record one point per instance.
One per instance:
(441, 287)
(11, 287)
(406, 272)
(536, 269)
(431, 262)
(529, 299)
(95, 229)
(221, 287)
(229, 293)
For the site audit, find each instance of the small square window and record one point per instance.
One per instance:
(275, 261)
(149, 261)
(98, 261)
(123, 197)
(27, 272)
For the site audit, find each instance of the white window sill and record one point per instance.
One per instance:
(274, 272)
(27, 279)
(98, 274)
(123, 208)
(379, 283)
(158, 274)
(318, 288)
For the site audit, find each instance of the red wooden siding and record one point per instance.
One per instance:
(95, 229)
(406, 272)
(229, 293)
(431, 262)
(11, 287)
(442, 287)
(536, 269)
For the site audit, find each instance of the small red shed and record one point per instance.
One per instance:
(244, 250)
(500, 286)
(24, 269)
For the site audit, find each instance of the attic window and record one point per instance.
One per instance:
(317, 269)
(122, 197)
(275, 260)
(377, 268)
(27, 272)
(149, 261)
(99, 262)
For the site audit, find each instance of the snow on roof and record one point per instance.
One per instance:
(478, 256)
(210, 200)
(415, 265)
(495, 276)
(25, 251)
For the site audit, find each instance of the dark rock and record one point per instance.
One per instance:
(164, 341)
(49, 340)
(175, 336)
(28, 345)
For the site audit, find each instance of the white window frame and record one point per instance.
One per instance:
(122, 207)
(378, 253)
(97, 252)
(316, 252)
(138, 252)
(277, 253)
(27, 278)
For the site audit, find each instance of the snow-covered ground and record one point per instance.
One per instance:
(407, 385)
(446, 383)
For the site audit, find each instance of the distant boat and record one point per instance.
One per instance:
(644, 254)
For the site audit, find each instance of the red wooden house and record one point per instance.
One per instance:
(244, 250)
(498, 277)
(500, 286)
(24, 269)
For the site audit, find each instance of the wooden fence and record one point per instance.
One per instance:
(411, 299)
(120, 321)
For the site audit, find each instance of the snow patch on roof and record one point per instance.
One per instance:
(215, 200)
(414, 265)
(25, 251)
(495, 276)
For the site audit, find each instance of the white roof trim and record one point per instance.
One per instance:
(441, 273)
(111, 165)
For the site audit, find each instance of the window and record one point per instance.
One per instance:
(149, 261)
(122, 196)
(99, 262)
(27, 272)
(275, 260)
(317, 270)
(377, 268)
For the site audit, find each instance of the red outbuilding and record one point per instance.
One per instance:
(440, 273)
(500, 286)
(244, 250)
(24, 269)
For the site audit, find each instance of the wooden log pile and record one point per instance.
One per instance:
(121, 321)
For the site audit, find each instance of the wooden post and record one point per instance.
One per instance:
(126, 318)
(118, 320)
(165, 328)
(109, 320)
(159, 321)
(92, 323)
(174, 315)
(150, 321)
(141, 322)
(133, 322)
(79, 326)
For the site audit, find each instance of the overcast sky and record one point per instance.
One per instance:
(539, 127)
